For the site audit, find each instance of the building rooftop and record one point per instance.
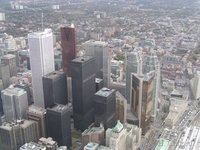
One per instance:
(104, 148)
(62, 148)
(118, 127)
(45, 33)
(11, 90)
(59, 107)
(95, 43)
(36, 110)
(14, 123)
(54, 74)
(32, 146)
(8, 56)
(93, 130)
(163, 144)
(82, 59)
(91, 146)
(105, 92)
(47, 141)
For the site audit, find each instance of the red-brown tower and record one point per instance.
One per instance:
(68, 44)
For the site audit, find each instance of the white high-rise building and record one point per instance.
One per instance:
(123, 137)
(42, 61)
(195, 85)
(15, 103)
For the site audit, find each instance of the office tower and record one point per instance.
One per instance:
(83, 88)
(99, 84)
(121, 107)
(151, 63)
(142, 98)
(132, 67)
(26, 87)
(42, 61)
(123, 137)
(15, 103)
(68, 44)
(10, 60)
(93, 134)
(49, 143)
(61, 131)
(15, 134)
(100, 51)
(105, 107)
(69, 89)
(195, 85)
(32, 146)
(5, 75)
(55, 88)
(38, 115)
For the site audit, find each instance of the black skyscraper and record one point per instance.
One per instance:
(83, 88)
(105, 102)
(58, 124)
(55, 88)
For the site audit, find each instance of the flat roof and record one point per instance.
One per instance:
(8, 56)
(91, 145)
(32, 146)
(44, 33)
(163, 144)
(54, 74)
(59, 107)
(82, 59)
(105, 92)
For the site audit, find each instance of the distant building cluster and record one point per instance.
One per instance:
(125, 78)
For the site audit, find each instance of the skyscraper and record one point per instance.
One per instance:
(121, 107)
(59, 124)
(14, 134)
(10, 60)
(93, 134)
(105, 107)
(151, 63)
(132, 67)
(42, 61)
(195, 85)
(5, 75)
(26, 87)
(142, 98)
(83, 87)
(123, 137)
(55, 88)
(38, 115)
(100, 51)
(15, 103)
(68, 44)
